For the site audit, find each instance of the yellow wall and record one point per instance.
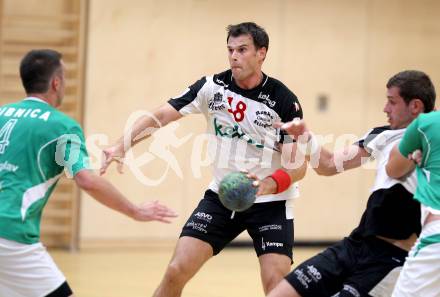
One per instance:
(140, 53)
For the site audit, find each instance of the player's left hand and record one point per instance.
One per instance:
(265, 186)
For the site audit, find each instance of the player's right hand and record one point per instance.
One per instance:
(416, 156)
(154, 211)
(114, 153)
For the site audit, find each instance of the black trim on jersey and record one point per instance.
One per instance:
(62, 291)
(391, 213)
(179, 102)
(363, 143)
(271, 92)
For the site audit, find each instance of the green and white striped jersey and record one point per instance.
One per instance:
(37, 142)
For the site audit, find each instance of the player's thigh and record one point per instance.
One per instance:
(323, 275)
(212, 223)
(420, 275)
(271, 228)
(377, 269)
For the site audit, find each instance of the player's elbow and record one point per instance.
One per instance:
(85, 180)
(392, 172)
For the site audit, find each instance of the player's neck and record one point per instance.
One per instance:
(45, 97)
(251, 81)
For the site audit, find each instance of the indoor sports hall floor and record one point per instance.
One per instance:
(135, 272)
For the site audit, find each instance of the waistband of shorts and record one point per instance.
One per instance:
(380, 244)
(210, 194)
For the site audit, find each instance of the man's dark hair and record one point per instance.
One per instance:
(414, 84)
(259, 35)
(37, 68)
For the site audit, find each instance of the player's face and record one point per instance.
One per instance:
(398, 112)
(245, 60)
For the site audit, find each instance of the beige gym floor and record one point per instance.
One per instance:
(135, 272)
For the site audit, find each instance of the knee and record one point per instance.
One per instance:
(176, 272)
(270, 281)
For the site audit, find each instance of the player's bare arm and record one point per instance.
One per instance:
(331, 163)
(323, 161)
(398, 166)
(105, 193)
(141, 130)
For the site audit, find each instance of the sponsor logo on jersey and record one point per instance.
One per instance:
(204, 216)
(216, 103)
(233, 132)
(263, 119)
(24, 113)
(6, 166)
(220, 82)
(266, 99)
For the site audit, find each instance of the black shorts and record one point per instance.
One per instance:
(266, 223)
(348, 268)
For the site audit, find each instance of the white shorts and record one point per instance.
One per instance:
(420, 274)
(27, 270)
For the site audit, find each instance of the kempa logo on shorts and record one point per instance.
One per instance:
(203, 216)
(216, 103)
(270, 244)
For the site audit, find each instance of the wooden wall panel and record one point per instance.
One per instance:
(146, 52)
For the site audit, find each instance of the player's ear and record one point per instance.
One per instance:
(417, 106)
(55, 83)
(261, 52)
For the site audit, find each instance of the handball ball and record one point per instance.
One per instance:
(236, 191)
